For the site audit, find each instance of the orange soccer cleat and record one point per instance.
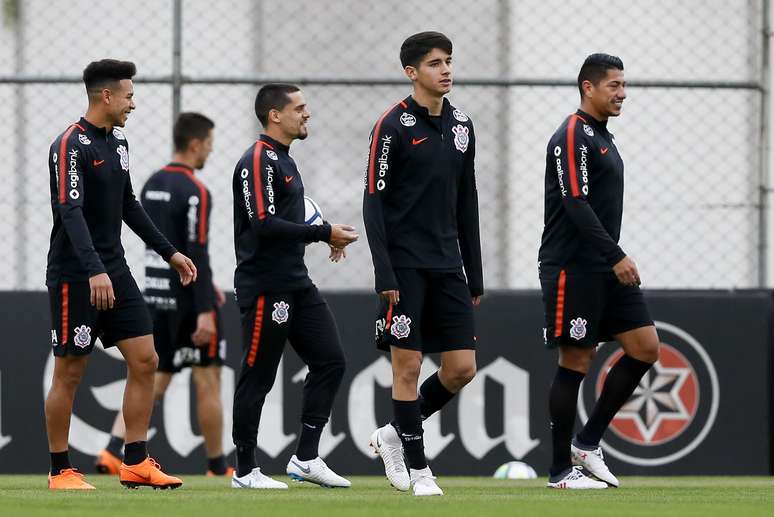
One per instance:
(68, 479)
(107, 463)
(147, 473)
(229, 472)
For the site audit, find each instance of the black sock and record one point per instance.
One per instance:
(217, 465)
(309, 440)
(245, 460)
(433, 396)
(59, 462)
(562, 403)
(135, 453)
(115, 445)
(408, 422)
(623, 378)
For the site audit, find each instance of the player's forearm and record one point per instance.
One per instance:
(78, 232)
(280, 229)
(587, 222)
(139, 222)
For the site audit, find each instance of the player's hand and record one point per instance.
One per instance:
(476, 301)
(102, 295)
(626, 271)
(342, 235)
(220, 297)
(184, 267)
(337, 254)
(205, 328)
(392, 296)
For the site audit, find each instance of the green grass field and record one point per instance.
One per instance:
(371, 496)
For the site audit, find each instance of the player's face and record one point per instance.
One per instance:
(609, 93)
(203, 148)
(434, 73)
(294, 116)
(121, 101)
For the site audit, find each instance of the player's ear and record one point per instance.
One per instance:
(411, 72)
(587, 87)
(274, 116)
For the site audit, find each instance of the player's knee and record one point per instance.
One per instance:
(460, 377)
(145, 364)
(650, 352)
(407, 371)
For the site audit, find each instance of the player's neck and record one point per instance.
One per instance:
(99, 119)
(588, 108)
(431, 101)
(275, 133)
(185, 159)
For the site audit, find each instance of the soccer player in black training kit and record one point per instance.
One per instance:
(91, 290)
(420, 209)
(186, 321)
(590, 286)
(276, 297)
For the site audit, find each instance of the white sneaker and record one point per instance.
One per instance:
(576, 479)
(594, 462)
(423, 482)
(256, 479)
(317, 472)
(386, 443)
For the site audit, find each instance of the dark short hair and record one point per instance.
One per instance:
(102, 73)
(273, 96)
(419, 45)
(595, 68)
(190, 126)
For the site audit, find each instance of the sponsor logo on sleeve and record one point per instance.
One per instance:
(193, 203)
(270, 189)
(383, 161)
(72, 173)
(461, 138)
(584, 168)
(246, 192)
(462, 117)
(559, 170)
(407, 119)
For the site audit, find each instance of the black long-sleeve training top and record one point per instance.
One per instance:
(420, 205)
(584, 188)
(91, 194)
(269, 230)
(179, 205)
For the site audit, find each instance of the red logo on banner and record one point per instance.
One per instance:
(662, 406)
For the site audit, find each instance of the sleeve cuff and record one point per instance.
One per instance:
(615, 256)
(167, 253)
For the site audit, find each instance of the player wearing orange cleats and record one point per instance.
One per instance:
(147, 473)
(107, 463)
(68, 479)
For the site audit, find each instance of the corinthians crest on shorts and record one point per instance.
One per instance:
(461, 137)
(82, 336)
(280, 313)
(401, 326)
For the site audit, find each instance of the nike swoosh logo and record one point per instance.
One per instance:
(417, 141)
(97, 163)
(305, 470)
(288, 179)
(240, 483)
(603, 150)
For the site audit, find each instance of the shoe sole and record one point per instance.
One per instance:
(300, 479)
(135, 485)
(375, 452)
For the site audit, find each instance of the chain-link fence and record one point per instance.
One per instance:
(691, 134)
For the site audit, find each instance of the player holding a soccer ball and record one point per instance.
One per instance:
(277, 299)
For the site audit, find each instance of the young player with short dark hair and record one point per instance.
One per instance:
(590, 286)
(420, 209)
(92, 292)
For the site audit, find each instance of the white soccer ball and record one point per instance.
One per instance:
(312, 212)
(515, 470)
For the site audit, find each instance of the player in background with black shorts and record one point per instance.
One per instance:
(91, 289)
(420, 209)
(186, 321)
(590, 286)
(277, 299)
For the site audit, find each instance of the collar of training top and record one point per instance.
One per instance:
(275, 144)
(415, 108)
(98, 131)
(174, 165)
(591, 120)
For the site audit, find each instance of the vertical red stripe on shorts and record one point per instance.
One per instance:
(560, 293)
(254, 343)
(388, 320)
(65, 311)
(213, 340)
